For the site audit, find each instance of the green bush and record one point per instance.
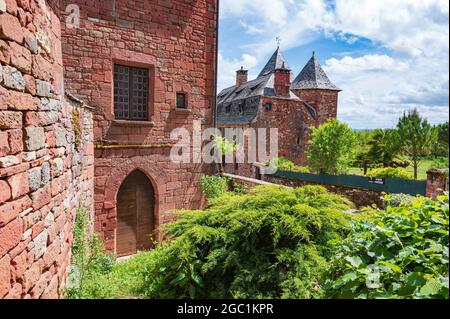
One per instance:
(285, 164)
(440, 162)
(269, 243)
(390, 172)
(402, 253)
(214, 186)
(398, 200)
(89, 260)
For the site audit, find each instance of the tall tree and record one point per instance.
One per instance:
(363, 158)
(442, 146)
(418, 137)
(385, 146)
(332, 147)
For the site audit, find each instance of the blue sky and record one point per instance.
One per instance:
(386, 61)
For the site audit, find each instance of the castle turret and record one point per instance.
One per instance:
(313, 86)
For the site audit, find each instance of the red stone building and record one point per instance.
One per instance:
(276, 100)
(113, 81)
(146, 67)
(46, 153)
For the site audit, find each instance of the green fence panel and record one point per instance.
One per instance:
(391, 185)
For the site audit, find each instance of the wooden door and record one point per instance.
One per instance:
(135, 215)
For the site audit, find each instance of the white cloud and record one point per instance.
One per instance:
(377, 88)
(228, 68)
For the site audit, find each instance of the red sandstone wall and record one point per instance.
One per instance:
(325, 102)
(42, 174)
(293, 122)
(177, 41)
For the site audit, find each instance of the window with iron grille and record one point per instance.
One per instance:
(181, 100)
(131, 93)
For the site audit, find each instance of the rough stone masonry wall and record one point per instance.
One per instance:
(176, 41)
(43, 174)
(325, 102)
(293, 122)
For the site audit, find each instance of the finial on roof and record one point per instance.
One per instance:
(314, 53)
(278, 41)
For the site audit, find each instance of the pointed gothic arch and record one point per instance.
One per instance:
(135, 214)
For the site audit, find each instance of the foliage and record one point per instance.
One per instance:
(417, 135)
(402, 253)
(363, 158)
(214, 186)
(285, 164)
(398, 200)
(440, 162)
(442, 146)
(89, 260)
(268, 243)
(223, 147)
(385, 146)
(390, 172)
(331, 148)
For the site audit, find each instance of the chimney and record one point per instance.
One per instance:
(241, 76)
(282, 81)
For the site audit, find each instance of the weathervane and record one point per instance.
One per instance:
(278, 41)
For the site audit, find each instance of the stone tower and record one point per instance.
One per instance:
(314, 87)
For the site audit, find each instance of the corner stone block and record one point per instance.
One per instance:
(34, 138)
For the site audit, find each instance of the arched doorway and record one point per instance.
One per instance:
(135, 214)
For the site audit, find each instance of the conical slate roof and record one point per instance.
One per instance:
(313, 77)
(277, 61)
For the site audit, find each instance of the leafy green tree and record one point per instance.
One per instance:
(385, 146)
(224, 147)
(363, 158)
(442, 147)
(418, 137)
(332, 147)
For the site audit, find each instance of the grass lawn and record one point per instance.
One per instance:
(424, 166)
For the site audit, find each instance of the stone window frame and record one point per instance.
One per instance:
(136, 60)
(132, 107)
(186, 100)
